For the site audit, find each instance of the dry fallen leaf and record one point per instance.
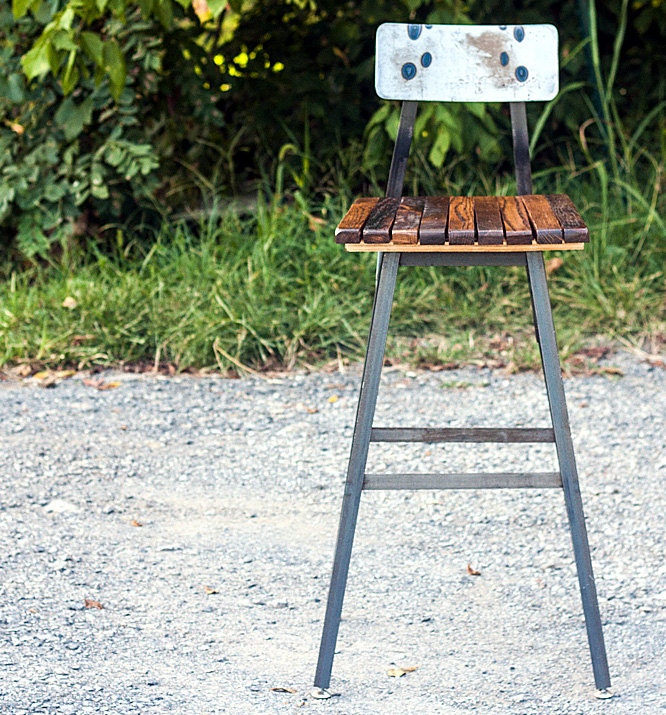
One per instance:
(69, 302)
(293, 691)
(399, 672)
(210, 591)
(109, 385)
(553, 264)
(472, 572)
(24, 370)
(134, 522)
(333, 398)
(611, 370)
(102, 384)
(89, 603)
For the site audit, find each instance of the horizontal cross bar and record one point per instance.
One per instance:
(464, 434)
(424, 258)
(499, 480)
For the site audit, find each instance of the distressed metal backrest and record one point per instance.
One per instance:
(464, 63)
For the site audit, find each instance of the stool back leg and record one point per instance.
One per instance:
(565, 454)
(367, 401)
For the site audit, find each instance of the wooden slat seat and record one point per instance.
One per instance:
(463, 223)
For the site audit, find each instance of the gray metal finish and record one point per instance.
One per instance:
(403, 144)
(462, 434)
(462, 259)
(487, 480)
(558, 409)
(521, 148)
(357, 461)
(401, 149)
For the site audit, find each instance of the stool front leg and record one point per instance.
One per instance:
(565, 454)
(367, 401)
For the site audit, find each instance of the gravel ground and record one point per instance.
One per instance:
(200, 514)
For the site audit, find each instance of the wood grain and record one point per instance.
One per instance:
(377, 228)
(462, 248)
(407, 220)
(546, 226)
(434, 220)
(461, 221)
(573, 226)
(517, 226)
(350, 229)
(488, 220)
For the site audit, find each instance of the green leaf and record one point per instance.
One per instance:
(217, 7)
(6, 197)
(72, 117)
(92, 45)
(114, 155)
(71, 75)
(15, 88)
(440, 147)
(164, 12)
(21, 7)
(146, 8)
(39, 60)
(62, 40)
(114, 63)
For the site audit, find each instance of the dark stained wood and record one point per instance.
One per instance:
(377, 228)
(434, 220)
(517, 226)
(546, 226)
(488, 220)
(407, 220)
(350, 229)
(461, 220)
(575, 230)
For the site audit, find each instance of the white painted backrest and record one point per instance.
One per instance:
(466, 63)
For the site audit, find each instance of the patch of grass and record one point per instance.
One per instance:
(272, 289)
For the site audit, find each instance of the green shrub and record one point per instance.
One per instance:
(89, 138)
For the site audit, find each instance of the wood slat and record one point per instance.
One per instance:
(377, 228)
(434, 221)
(546, 226)
(517, 226)
(573, 226)
(463, 249)
(499, 480)
(490, 230)
(350, 229)
(407, 220)
(461, 221)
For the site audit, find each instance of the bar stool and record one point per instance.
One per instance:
(463, 64)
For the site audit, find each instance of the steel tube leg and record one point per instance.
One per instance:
(357, 460)
(565, 454)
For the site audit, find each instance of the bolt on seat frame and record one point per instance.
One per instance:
(463, 63)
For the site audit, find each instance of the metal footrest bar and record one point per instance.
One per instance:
(465, 434)
(490, 480)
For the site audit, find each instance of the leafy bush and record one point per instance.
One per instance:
(89, 138)
(124, 111)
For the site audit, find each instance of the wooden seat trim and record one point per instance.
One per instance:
(463, 223)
